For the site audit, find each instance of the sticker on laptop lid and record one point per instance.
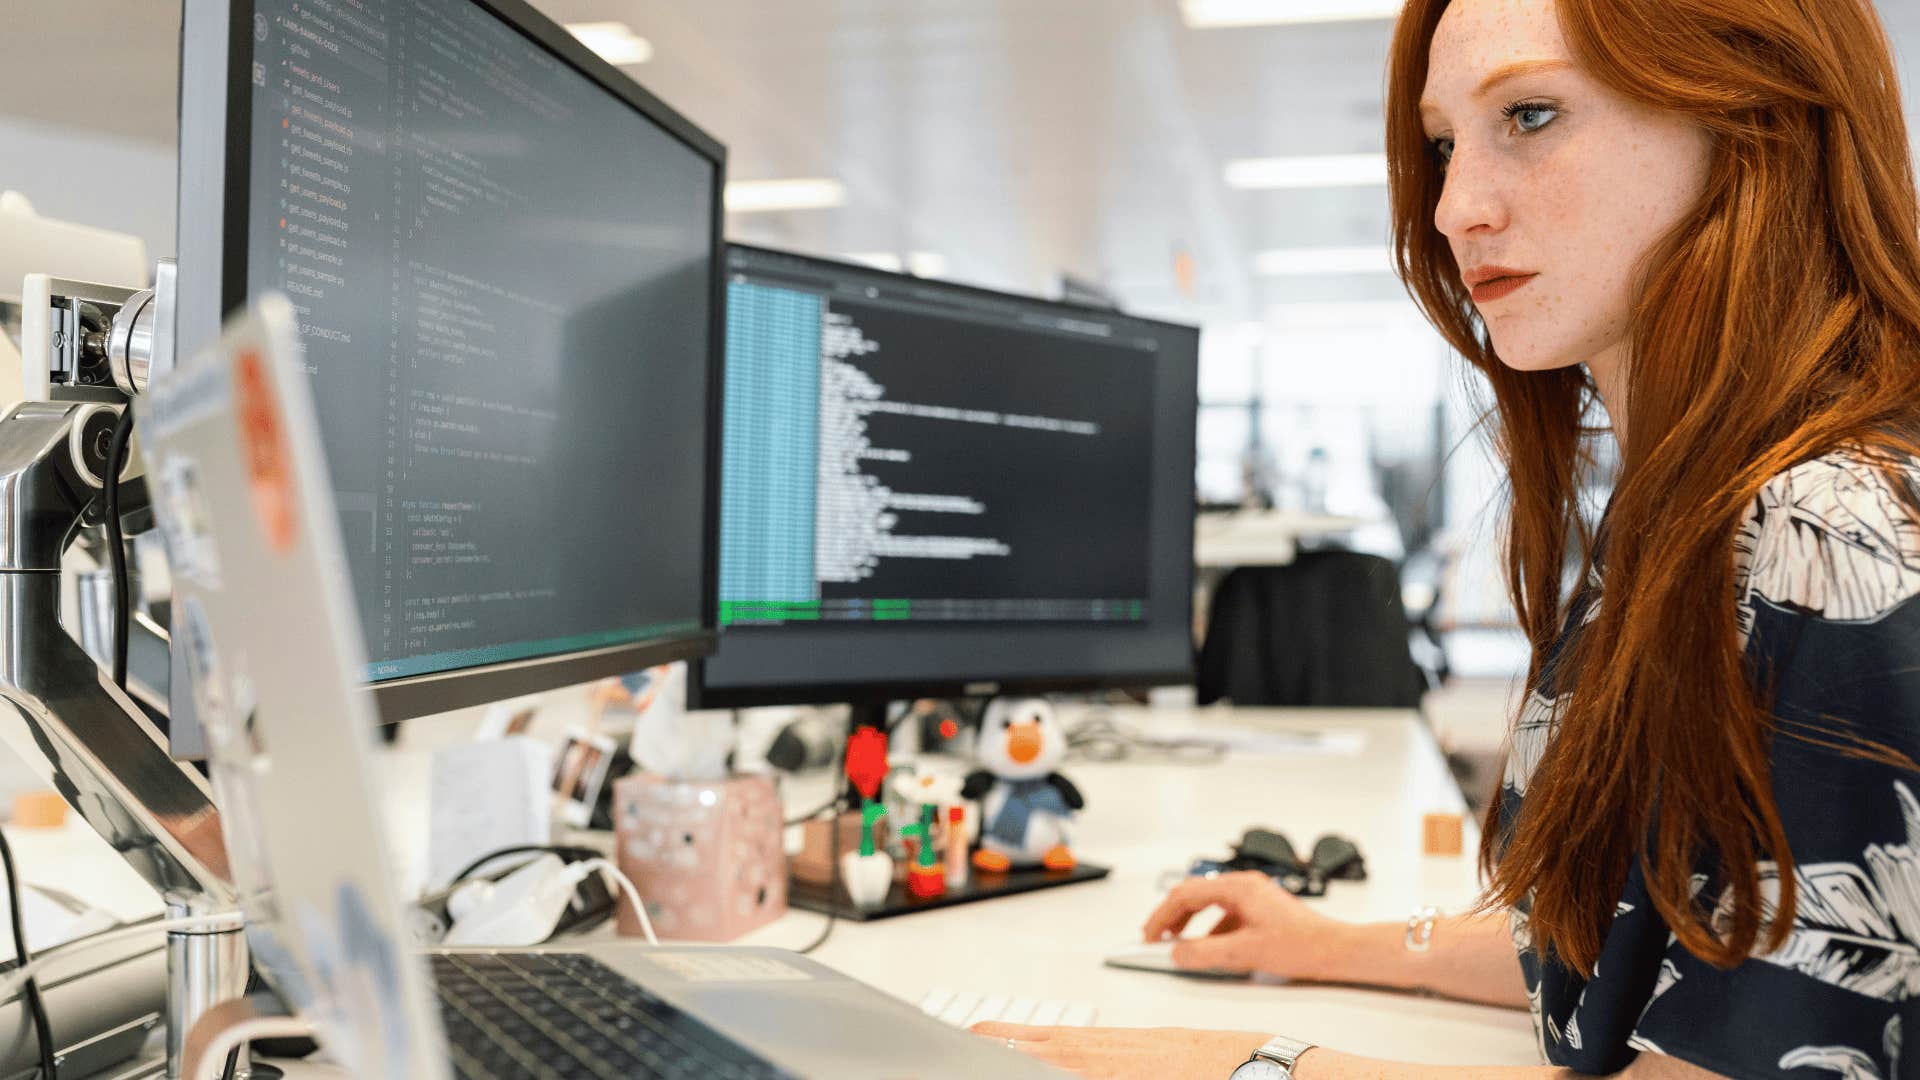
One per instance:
(358, 999)
(717, 965)
(269, 459)
(186, 522)
(189, 395)
(194, 635)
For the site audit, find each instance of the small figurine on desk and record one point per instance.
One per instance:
(925, 790)
(867, 874)
(1025, 804)
(924, 783)
(926, 876)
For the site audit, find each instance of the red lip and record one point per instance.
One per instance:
(1490, 283)
(1489, 291)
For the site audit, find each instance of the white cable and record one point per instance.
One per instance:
(18, 977)
(211, 1061)
(626, 886)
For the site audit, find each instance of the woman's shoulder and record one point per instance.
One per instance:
(1836, 537)
(1848, 467)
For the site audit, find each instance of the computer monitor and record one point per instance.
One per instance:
(505, 258)
(930, 489)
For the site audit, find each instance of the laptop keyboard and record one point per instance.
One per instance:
(564, 1015)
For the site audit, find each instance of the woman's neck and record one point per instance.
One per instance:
(1609, 371)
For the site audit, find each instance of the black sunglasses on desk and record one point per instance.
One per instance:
(1334, 858)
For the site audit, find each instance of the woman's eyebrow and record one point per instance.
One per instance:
(1501, 74)
(1516, 70)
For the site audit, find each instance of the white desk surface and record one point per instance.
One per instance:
(1143, 819)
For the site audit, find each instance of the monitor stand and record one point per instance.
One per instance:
(831, 899)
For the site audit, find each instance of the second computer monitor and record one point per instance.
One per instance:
(928, 488)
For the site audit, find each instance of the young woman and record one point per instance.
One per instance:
(1706, 853)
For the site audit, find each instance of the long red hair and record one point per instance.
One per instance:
(1787, 325)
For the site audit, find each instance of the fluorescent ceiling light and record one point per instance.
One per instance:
(760, 196)
(879, 260)
(1300, 262)
(615, 42)
(1208, 14)
(926, 264)
(1331, 170)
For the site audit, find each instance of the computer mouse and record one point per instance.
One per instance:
(1157, 956)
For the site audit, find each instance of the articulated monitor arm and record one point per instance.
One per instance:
(64, 714)
(105, 757)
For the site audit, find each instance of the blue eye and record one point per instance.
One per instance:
(1530, 116)
(1444, 148)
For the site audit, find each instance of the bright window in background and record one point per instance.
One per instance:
(1229, 363)
(1223, 431)
(1378, 354)
(1357, 408)
(1329, 407)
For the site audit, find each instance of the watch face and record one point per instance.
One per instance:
(1260, 1069)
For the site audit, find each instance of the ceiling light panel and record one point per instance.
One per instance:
(763, 196)
(879, 260)
(614, 42)
(1305, 262)
(1214, 14)
(1328, 171)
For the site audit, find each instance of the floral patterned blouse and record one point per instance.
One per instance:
(1828, 565)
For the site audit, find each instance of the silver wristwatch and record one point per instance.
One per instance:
(1273, 1061)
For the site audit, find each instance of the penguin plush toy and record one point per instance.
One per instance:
(1025, 805)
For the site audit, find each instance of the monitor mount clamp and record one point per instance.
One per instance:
(88, 738)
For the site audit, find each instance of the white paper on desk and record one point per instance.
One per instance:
(51, 918)
(486, 796)
(1342, 742)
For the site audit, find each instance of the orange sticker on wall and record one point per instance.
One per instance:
(264, 438)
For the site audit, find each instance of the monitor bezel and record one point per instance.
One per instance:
(700, 695)
(216, 49)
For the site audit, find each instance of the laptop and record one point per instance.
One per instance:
(240, 489)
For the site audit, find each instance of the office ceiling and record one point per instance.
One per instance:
(1021, 140)
(1018, 139)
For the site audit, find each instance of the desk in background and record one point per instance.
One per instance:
(1222, 541)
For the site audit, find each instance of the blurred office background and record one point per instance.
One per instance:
(1207, 161)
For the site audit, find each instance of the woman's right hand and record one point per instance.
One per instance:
(1264, 929)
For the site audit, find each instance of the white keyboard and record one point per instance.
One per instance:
(964, 1010)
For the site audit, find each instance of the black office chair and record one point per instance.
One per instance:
(1328, 629)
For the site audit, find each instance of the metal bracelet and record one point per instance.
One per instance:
(1420, 928)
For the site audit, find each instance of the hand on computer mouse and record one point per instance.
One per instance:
(1264, 928)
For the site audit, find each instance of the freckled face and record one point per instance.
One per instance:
(1556, 187)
